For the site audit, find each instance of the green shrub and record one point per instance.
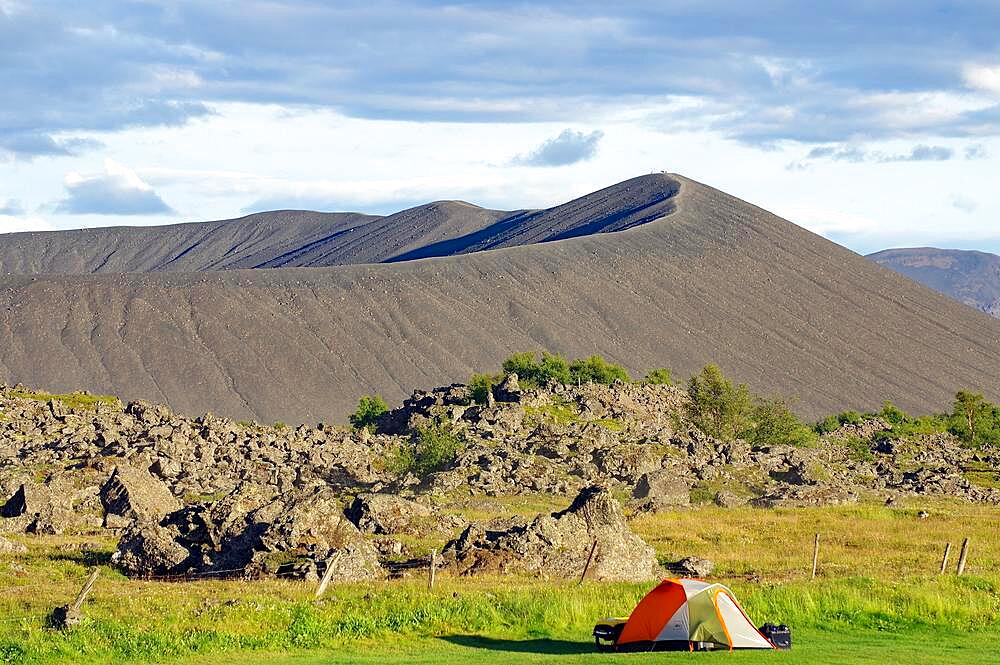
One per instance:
(480, 385)
(659, 376)
(858, 449)
(434, 448)
(596, 369)
(827, 425)
(716, 406)
(775, 424)
(833, 423)
(850, 418)
(370, 409)
(892, 414)
(524, 364)
(76, 400)
(532, 373)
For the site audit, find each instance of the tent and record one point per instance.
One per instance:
(682, 614)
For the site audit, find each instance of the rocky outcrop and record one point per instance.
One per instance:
(250, 533)
(39, 508)
(661, 489)
(692, 566)
(392, 515)
(133, 495)
(55, 462)
(146, 550)
(559, 545)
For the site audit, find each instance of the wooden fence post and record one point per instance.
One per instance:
(586, 567)
(430, 572)
(815, 556)
(962, 556)
(331, 564)
(68, 616)
(944, 560)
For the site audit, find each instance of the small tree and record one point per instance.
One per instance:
(659, 376)
(974, 420)
(967, 411)
(596, 369)
(716, 406)
(370, 409)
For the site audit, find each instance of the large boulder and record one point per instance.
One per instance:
(558, 545)
(626, 462)
(131, 494)
(661, 489)
(39, 508)
(509, 390)
(150, 549)
(386, 514)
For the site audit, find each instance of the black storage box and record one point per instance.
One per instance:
(779, 636)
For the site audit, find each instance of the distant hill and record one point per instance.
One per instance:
(969, 277)
(296, 238)
(656, 271)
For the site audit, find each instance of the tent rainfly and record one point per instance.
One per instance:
(684, 615)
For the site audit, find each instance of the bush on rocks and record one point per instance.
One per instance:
(434, 448)
(370, 409)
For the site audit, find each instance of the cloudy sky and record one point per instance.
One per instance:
(875, 127)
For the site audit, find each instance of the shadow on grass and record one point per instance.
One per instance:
(540, 646)
(87, 558)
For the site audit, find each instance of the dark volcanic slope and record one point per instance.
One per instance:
(294, 238)
(970, 277)
(717, 280)
(235, 243)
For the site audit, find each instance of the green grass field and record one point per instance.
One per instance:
(877, 598)
(814, 646)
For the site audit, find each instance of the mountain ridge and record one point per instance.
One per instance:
(969, 276)
(714, 280)
(285, 238)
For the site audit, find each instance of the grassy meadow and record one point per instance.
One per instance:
(877, 595)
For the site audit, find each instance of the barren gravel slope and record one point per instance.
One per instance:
(235, 243)
(716, 280)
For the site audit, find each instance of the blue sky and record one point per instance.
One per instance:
(876, 124)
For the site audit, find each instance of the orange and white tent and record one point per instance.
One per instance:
(685, 614)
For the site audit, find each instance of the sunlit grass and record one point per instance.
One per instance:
(878, 574)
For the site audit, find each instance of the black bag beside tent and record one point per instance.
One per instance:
(779, 636)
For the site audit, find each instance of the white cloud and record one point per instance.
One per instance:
(19, 223)
(827, 221)
(982, 77)
(908, 111)
(568, 148)
(117, 191)
(11, 207)
(964, 203)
